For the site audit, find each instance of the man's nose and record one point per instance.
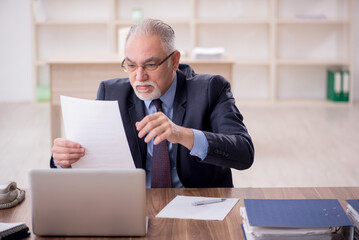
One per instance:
(141, 74)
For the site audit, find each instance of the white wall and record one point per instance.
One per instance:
(356, 50)
(15, 51)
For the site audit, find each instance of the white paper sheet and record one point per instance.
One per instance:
(181, 207)
(97, 126)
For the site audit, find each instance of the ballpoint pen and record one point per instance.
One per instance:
(208, 201)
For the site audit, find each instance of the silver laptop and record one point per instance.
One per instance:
(88, 202)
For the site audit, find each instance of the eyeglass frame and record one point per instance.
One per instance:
(144, 67)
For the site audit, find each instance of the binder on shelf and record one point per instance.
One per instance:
(122, 35)
(353, 213)
(345, 86)
(338, 84)
(38, 11)
(13, 230)
(295, 219)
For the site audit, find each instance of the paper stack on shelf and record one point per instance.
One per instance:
(311, 16)
(208, 53)
(353, 213)
(300, 219)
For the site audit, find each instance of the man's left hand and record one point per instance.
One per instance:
(159, 127)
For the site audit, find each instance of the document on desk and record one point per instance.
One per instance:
(97, 126)
(184, 207)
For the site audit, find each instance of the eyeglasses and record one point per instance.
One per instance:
(148, 66)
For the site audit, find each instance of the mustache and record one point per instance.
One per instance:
(145, 83)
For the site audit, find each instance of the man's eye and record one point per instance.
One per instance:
(151, 65)
(131, 65)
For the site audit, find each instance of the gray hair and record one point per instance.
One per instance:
(150, 27)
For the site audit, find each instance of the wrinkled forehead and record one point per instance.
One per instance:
(143, 48)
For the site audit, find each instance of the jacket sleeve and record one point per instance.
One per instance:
(229, 144)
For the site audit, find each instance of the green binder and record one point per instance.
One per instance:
(338, 86)
(345, 86)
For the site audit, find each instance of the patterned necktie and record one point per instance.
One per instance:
(161, 172)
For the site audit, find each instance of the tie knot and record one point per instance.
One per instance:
(158, 104)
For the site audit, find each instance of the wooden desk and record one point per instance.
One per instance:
(229, 228)
(80, 76)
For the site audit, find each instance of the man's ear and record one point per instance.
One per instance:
(175, 60)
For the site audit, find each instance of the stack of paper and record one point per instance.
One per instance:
(208, 53)
(311, 16)
(353, 213)
(307, 219)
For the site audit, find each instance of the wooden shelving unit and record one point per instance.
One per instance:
(267, 39)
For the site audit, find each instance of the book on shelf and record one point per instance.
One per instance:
(353, 213)
(338, 84)
(289, 219)
(13, 231)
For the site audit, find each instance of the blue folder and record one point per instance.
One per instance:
(298, 213)
(354, 203)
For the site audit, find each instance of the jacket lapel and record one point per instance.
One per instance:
(179, 106)
(138, 146)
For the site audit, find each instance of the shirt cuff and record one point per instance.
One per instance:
(200, 146)
(57, 166)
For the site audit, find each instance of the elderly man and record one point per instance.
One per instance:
(183, 128)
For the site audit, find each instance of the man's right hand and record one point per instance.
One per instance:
(66, 152)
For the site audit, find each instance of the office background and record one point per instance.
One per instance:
(298, 143)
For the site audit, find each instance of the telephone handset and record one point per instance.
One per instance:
(10, 195)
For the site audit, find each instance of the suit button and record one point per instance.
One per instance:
(216, 151)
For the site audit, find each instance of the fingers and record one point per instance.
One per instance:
(156, 126)
(65, 163)
(61, 142)
(159, 134)
(66, 152)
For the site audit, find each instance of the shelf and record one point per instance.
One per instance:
(114, 58)
(270, 41)
(312, 21)
(233, 21)
(169, 21)
(252, 62)
(223, 60)
(86, 59)
(72, 22)
(318, 62)
(291, 102)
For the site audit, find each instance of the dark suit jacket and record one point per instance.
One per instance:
(202, 102)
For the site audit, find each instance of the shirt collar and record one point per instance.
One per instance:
(167, 98)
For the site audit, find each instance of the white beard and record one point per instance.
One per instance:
(156, 93)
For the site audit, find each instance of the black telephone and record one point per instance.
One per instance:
(10, 195)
